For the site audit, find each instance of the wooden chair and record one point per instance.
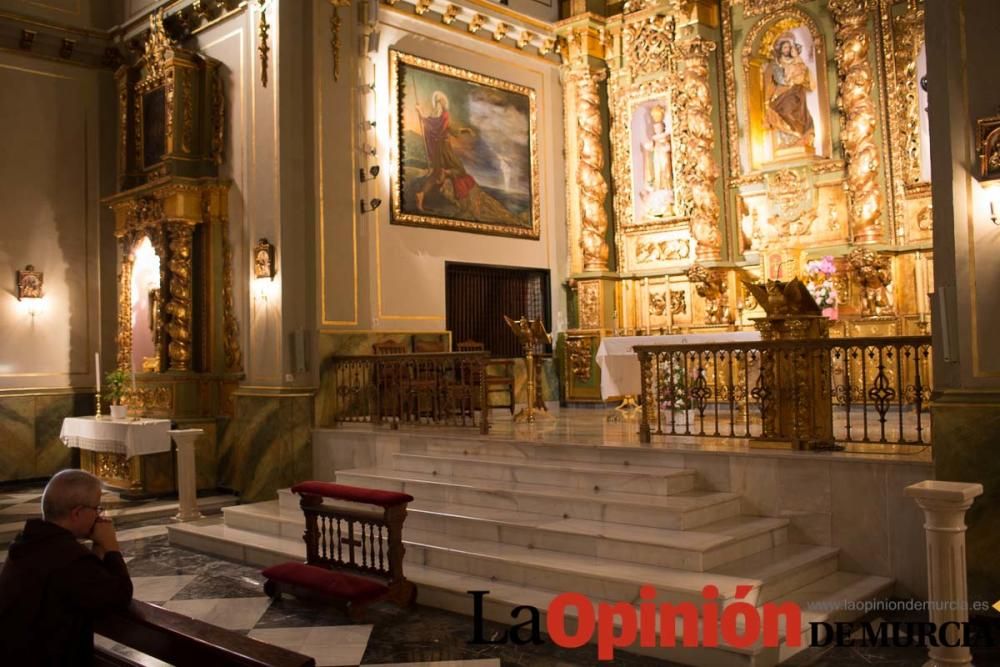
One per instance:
(388, 378)
(499, 374)
(388, 347)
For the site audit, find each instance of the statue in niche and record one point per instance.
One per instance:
(653, 164)
(787, 82)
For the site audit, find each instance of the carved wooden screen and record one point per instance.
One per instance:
(477, 297)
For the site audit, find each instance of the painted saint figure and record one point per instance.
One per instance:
(787, 81)
(442, 162)
(446, 175)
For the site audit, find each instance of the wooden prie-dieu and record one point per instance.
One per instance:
(354, 555)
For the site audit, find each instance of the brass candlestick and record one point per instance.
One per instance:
(97, 399)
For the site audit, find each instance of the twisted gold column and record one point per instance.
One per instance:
(590, 173)
(699, 168)
(858, 111)
(179, 306)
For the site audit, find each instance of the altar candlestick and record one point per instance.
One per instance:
(637, 315)
(670, 304)
(921, 285)
(645, 305)
(133, 378)
(97, 370)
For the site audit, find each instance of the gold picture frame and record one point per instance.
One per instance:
(263, 260)
(30, 283)
(452, 172)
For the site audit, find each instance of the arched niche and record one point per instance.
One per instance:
(785, 79)
(143, 287)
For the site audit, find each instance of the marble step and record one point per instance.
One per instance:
(626, 457)
(681, 511)
(653, 480)
(772, 571)
(698, 550)
(123, 513)
(448, 590)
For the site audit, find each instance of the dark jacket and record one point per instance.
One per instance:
(50, 588)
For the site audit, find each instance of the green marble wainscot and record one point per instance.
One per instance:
(30, 423)
(267, 445)
(549, 379)
(966, 425)
(356, 344)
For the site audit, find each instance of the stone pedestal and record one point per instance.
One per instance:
(944, 505)
(795, 382)
(187, 495)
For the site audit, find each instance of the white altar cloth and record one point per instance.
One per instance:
(619, 363)
(131, 438)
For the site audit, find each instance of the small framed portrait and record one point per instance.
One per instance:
(29, 283)
(263, 259)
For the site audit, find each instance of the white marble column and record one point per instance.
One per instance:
(944, 505)
(187, 480)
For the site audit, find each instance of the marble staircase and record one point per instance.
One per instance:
(528, 521)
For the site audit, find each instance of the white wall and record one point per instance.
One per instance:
(50, 217)
(376, 275)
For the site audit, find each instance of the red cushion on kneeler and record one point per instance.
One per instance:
(355, 494)
(328, 582)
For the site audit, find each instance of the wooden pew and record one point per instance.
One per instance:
(180, 640)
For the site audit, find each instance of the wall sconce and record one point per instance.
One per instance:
(988, 152)
(371, 173)
(263, 260)
(367, 207)
(29, 291)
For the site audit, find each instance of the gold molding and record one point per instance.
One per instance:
(697, 143)
(858, 119)
(397, 60)
(593, 187)
(263, 48)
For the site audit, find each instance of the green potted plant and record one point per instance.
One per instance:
(114, 392)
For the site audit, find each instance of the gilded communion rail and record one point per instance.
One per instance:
(809, 392)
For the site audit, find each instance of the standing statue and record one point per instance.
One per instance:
(787, 81)
(874, 273)
(657, 166)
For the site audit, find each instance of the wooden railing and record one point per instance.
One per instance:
(179, 640)
(428, 388)
(872, 389)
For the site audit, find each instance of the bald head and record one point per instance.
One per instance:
(68, 489)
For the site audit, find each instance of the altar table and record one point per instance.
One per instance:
(127, 437)
(619, 364)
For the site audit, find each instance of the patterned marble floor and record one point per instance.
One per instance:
(230, 595)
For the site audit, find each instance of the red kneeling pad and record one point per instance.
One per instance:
(355, 494)
(327, 582)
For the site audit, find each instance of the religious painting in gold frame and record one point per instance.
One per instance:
(785, 90)
(467, 150)
(30, 283)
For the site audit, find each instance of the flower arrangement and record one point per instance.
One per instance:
(115, 382)
(673, 387)
(819, 282)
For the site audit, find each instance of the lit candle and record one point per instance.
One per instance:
(645, 305)
(670, 304)
(920, 278)
(133, 378)
(97, 370)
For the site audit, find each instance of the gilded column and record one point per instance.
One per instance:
(125, 309)
(699, 168)
(858, 111)
(179, 306)
(590, 172)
